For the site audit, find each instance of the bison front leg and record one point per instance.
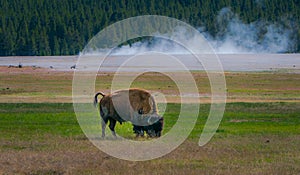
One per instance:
(138, 130)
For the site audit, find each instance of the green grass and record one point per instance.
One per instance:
(23, 121)
(27, 120)
(261, 118)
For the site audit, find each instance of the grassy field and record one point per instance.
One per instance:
(259, 133)
(258, 138)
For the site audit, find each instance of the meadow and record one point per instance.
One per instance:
(259, 133)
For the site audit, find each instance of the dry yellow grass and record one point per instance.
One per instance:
(45, 85)
(236, 155)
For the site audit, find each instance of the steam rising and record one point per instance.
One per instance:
(234, 36)
(257, 37)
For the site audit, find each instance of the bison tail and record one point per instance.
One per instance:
(96, 98)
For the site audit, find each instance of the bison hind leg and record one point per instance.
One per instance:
(112, 124)
(103, 124)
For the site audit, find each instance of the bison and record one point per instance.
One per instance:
(134, 105)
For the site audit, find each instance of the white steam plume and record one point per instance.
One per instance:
(233, 37)
(257, 37)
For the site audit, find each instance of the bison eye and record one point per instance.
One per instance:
(140, 111)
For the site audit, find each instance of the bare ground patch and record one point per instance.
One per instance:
(223, 155)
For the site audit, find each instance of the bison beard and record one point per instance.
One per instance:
(141, 107)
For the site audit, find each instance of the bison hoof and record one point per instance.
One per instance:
(139, 135)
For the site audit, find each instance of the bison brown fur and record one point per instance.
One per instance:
(134, 105)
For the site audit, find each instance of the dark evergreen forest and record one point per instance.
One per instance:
(63, 27)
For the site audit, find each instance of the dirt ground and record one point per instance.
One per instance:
(236, 155)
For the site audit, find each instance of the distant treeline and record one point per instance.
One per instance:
(63, 27)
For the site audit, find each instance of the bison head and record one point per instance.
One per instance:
(153, 129)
